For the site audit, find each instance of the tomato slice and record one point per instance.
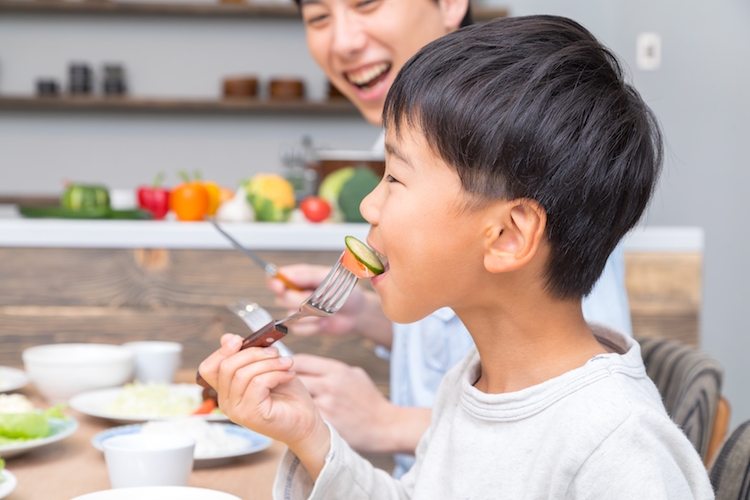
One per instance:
(349, 261)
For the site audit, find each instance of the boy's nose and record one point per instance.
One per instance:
(370, 206)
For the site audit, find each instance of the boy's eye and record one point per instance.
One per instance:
(390, 178)
(316, 20)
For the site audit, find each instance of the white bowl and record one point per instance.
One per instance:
(60, 371)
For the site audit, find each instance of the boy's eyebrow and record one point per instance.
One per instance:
(309, 2)
(393, 150)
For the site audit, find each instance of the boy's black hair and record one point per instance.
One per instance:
(535, 107)
(466, 21)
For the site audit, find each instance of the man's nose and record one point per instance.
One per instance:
(349, 37)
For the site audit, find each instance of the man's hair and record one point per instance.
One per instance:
(466, 21)
(536, 108)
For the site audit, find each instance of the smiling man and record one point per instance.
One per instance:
(362, 44)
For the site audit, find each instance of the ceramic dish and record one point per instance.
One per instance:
(8, 483)
(96, 404)
(158, 493)
(12, 379)
(61, 428)
(253, 443)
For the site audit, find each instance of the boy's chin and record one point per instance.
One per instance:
(403, 314)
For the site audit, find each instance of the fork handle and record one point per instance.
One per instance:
(264, 337)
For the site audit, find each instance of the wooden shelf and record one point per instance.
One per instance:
(239, 9)
(191, 106)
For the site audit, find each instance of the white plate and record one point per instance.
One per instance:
(12, 379)
(253, 443)
(61, 428)
(95, 403)
(158, 493)
(8, 484)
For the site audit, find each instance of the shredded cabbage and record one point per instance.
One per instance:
(153, 399)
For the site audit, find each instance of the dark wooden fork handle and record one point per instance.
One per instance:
(262, 338)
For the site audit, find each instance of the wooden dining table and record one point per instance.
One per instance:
(72, 467)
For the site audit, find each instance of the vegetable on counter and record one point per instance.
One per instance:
(154, 198)
(217, 195)
(85, 197)
(316, 209)
(345, 189)
(189, 200)
(271, 196)
(93, 213)
(237, 209)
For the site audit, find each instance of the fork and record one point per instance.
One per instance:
(256, 317)
(327, 299)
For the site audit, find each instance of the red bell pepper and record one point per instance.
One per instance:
(154, 198)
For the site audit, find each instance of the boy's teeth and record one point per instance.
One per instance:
(365, 76)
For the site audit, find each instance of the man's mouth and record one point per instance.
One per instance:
(368, 77)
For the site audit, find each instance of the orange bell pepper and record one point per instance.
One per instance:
(189, 200)
(216, 196)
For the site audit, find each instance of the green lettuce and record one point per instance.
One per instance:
(17, 427)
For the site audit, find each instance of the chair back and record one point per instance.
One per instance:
(730, 470)
(689, 382)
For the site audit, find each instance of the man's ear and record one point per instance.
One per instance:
(453, 12)
(514, 239)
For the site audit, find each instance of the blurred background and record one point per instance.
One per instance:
(171, 64)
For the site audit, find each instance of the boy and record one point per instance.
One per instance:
(517, 158)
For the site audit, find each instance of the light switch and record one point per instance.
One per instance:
(648, 51)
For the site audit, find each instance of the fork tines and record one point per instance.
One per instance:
(334, 290)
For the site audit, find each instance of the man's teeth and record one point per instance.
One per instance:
(367, 75)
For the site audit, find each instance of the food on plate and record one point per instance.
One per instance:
(237, 209)
(189, 200)
(361, 259)
(207, 407)
(153, 399)
(2, 466)
(24, 422)
(85, 197)
(211, 439)
(154, 198)
(15, 403)
(315, 208)
(345, 189)
(271, 196)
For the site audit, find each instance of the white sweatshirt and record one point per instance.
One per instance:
(597, 432)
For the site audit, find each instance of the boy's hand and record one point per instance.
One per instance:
(257, 389)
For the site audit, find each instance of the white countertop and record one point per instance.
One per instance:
(16, 231)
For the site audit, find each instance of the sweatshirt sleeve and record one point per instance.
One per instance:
(345, 475)
(648, 462)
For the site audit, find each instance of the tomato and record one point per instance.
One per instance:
(315, 209)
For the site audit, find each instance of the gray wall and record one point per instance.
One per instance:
(700, 95)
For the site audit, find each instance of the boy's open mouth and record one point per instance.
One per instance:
(368, 77)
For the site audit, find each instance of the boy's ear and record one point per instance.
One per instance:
(453, 12)
(515, 238)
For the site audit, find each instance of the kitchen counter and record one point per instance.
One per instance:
(16, 231)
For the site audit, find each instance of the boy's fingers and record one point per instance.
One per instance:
(254, 381)
(209, 367)
(309, 364)
(229, 366)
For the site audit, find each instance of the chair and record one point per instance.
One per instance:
(730, 470)
(689, 382)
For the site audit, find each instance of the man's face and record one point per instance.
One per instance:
(362, 44)
(433, 245)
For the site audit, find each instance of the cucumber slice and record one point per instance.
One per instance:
(364, 254)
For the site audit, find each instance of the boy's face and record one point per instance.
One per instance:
(362, 44)
(433, 245)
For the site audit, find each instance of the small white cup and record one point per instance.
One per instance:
(149, 459)
(155, 361)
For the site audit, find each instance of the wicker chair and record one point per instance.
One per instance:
(730, 470)
(689, 382)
